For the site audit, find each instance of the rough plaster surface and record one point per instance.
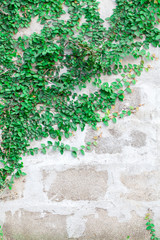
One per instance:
(103, 195)
(77, 184)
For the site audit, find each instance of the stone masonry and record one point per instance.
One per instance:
(103, 195)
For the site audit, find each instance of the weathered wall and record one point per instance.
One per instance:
(103, 195)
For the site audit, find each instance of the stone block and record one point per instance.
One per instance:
(115, 138)
(16, 192)
(102, 227)
(142, 187)
(25, 225)
(78, 184)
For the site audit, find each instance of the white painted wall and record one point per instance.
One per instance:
(104, 194)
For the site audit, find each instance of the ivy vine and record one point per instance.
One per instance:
(38, 100)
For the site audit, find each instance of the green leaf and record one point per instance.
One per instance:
(40, 78)
(121, 115)
(74, 154)
(54, 148)
(115, 114)
(152, 225)
(128, 90)
(114, 120)
(66, 135)
(49, 143)
(83, 147)
(133, 81)
(158, 37)
(134, 28)
(106, 123)
(74, 149)
(67, 147)
(95, 143)
(82, 152)
(129, 113)
(43, 150)
(148, 228)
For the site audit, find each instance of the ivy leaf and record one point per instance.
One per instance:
(83, 147)
(114, 120)
(74, 154)
(129, 113)
(49, 143)
(121, 115)
(82, 152)
(67, 147)
(134, 28)
(128, 90)
(148, 228)
(115, 114)
(74, 149)
(54, 148)
(43, 150)
(38, 85)
(158, 37)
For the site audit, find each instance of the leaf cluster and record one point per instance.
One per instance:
(38, 99)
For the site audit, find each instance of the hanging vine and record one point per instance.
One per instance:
(37, 99)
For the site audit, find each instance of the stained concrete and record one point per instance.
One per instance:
(16, 193)
(77, 184)
(108, 228)
(148, 190)
(32, 225)
(105, 194)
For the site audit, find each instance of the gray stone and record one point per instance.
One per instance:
(142, 187)
(25, 225)
(78, 184)
(138, 139)
(16, 192)
(103, 227)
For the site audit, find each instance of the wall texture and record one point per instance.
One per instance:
(103, 195)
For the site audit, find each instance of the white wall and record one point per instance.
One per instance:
(104, 194)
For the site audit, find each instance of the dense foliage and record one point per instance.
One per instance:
(37, 99)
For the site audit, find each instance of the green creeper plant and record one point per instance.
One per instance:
(42, 75)
(1, 233)
(151, 228)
